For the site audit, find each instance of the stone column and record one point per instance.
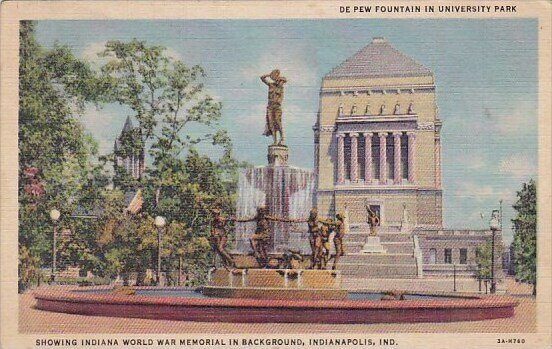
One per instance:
(397, 159)
(354, 157)
(411, 160)
(383, 157)
(340, 158)
(367, 158)
(438, 162)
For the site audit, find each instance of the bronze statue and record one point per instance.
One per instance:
(260, 239)
(275, 84)
(219, 237)
(314, 236)
(373, 220)
(325, 231)
(340, 230)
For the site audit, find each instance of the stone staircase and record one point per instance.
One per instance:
(398, 263)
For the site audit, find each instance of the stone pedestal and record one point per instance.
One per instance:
(277, 155)
(373, 245)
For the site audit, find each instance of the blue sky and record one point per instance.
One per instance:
(485, 71)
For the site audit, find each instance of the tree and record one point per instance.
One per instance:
(483, 259)
(525, 234)
(56, 156)
(175, 117)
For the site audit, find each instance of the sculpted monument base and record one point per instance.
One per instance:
(276, 284)
(277, 155)
(373, 245)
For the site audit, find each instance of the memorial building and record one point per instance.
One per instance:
(377, 139)
(377, 143)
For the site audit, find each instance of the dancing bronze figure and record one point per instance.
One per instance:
(219, 237)
(324, 254)
(316, 238)
(260, 239)
(275, 83)
(340, 228)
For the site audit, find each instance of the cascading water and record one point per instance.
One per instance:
(287, 192)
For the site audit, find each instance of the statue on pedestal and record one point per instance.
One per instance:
(373, 220)
(275, 84)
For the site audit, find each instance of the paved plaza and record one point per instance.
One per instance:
(36, 321)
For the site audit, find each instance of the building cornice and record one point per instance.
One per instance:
(376, 118)
(377, 90)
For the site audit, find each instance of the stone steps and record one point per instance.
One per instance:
(383, 229)
(384, 237)
(375, 259)
(377, 271)
(390, 247)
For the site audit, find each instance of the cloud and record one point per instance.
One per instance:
(481, 192)
(90, 53)
(173, 53)
(292, 60)
(520, 119)
(473, 161)
(519, 165)
(103, 125)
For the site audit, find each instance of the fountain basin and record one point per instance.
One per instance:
(290, 284)
(101, 302)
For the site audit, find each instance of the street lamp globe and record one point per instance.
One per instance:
(160, 221)
(494, 223)
(54, 215)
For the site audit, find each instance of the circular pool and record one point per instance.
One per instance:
(189, 305)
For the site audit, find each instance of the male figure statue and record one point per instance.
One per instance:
(275, 84)
(373, 220)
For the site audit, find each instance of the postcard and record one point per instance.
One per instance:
(253, 174)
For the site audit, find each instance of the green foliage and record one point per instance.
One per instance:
(54, 87)
(525, 234)
(169, 101)
(29, 269)
(170, 104)
(483, 259)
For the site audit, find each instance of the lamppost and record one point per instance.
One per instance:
(495, 226)
(159, 223)
(54, 215)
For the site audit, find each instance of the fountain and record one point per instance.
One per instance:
(286, 191)
(286, 293)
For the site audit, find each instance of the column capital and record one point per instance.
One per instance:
(397, 135)
(411, 134)
(383, 134)
(353, 134)
(340, 135)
